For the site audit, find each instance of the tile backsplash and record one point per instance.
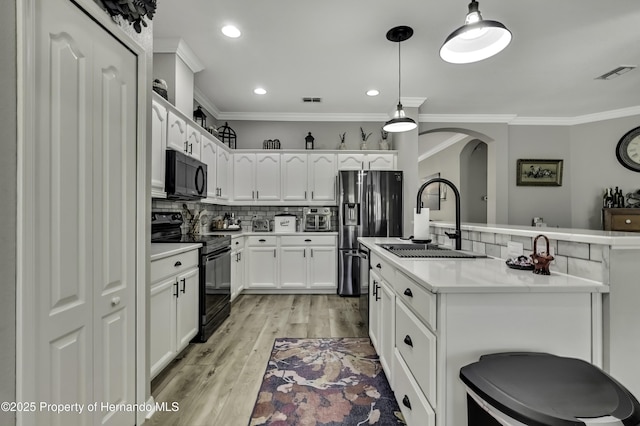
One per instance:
(244, 213)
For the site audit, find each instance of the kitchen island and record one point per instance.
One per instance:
(430, 317)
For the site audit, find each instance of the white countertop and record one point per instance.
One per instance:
(162, 250)
(615, 239)
(483, 275)
(249, 232)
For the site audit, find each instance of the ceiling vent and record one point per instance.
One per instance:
(311, 100)
(622, 69)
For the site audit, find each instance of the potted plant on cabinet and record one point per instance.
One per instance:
(364, 136)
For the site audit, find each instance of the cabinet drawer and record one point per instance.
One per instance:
(304, 240)
(262, 240)
(626, 222)
(408, 394)
(384, 269)
(417, 345)
(237, 243)
(173, 265)
(417, 298)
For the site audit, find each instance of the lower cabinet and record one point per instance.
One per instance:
(382, 321)
(173, 307)
(237, 266)
(414, 406)
(304, 263)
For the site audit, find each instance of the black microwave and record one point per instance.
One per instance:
(185, 177)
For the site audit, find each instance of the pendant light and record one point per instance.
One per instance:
(476, 40)
(399, 122)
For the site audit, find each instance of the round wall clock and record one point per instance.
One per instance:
(628, 150)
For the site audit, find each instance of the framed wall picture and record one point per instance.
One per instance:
(539, 173)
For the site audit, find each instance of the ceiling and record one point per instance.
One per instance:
(337, 50)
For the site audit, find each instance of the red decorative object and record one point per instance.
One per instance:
(541, 261)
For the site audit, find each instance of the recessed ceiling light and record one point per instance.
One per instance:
(259, 91)
(373, 92)
(231, 31)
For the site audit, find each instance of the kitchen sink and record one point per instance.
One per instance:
(427, 251)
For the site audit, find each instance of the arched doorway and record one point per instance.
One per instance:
(473, 182)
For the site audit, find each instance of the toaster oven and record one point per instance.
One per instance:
(317, 219)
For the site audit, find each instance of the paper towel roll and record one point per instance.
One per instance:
(421, 224)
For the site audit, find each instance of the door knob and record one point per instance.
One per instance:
(115, 301)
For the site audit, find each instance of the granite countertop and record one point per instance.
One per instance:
(482, 275)
(591, 236)
(162, 250)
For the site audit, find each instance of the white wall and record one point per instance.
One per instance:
(447, 163)
(8, 177)
(553, 203)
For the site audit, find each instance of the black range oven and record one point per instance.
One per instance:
(214, 264)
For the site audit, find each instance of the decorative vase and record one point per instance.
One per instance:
(384, 145)
(342, 146)
(363, 145)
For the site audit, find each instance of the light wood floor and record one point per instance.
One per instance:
(216, 383)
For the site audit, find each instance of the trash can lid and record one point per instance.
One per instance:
(541, 389)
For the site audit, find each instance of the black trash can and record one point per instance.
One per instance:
(539, 389)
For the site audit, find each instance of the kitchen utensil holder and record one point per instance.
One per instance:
(541, 261)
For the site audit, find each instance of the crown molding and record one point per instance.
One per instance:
(466, 118)
(267, 116)
(180, 48)
(412, 102)
(202, 99)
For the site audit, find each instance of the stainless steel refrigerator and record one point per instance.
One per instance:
(370, 205)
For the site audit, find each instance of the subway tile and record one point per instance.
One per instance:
(504, 252)
(527, 242)
(503, 239)
(595, 252)
(585, 269)
(573, 249)
(479, 247)
(467, 245)
(560, 264)
(465, 235)
(488, 237)
(492, 250)
(474, 235)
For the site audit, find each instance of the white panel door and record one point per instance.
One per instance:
(322, 177)
(114, 215)
(244, 177)
(223, 163)
(208, 157)
(268, 177)
(294, 177)
(323, 269)
(293, 267)
(158, 148)
(83, 188)
(262, 267)
(177, 133)
(194, 141)
(187, 308)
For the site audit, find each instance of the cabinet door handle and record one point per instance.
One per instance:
(177, 293)
(312, 196)
(115, 301)
(377, 292)
(407, 340)
(311, 252)
(178, 263)
(190, 148)
(304, 252)
(186, 146)
(184, 283)
(257, 195)
(408, 292)
(274, 252)
(240, 254)
(262, 240)
(237, 242)
(379, 266)
(374, 289)
(305, 195)
(406, 402)
(369, 165)
(307, 240)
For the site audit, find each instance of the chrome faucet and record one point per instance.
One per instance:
(457, 234)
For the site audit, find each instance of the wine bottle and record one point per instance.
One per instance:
(607, 201)
(615, 196)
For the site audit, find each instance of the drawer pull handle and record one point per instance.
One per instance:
(406, 402)
(178, 263)
(407, 340)
(237, 242)
(379, 266)
(307, 240)
(262, 240)
(408, 292)
(628, 221)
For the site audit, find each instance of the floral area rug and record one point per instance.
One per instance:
(325, 382)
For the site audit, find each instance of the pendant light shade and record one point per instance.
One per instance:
(400, 122)
(476, 40)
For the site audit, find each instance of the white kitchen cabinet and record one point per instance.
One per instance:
(158, 148)
(262, 270)
(194, 141)
(294, 177)
(256, 177)
(382, 321)
(374, 310)
(323, 268)
(209, 156)
(294, 267)
(177, 132)
(322, 173)
(173, 306)
(223, 163)
(367, 161)
(237, 266)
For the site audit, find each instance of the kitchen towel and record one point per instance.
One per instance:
(421, 224)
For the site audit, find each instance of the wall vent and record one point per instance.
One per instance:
(622, 69)
(311, 100)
